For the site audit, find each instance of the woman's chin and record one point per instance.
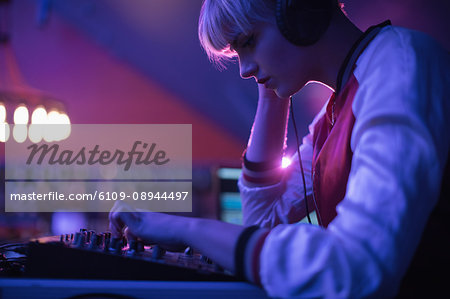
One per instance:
(282, 93)
(286, 91)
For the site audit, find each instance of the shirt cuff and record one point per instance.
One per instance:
(247, 252)
(261, 173)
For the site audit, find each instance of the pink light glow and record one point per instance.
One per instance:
(285, 162)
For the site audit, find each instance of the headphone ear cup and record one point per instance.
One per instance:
(303, 22)
(280, 14)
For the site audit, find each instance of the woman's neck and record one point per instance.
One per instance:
(335, 45)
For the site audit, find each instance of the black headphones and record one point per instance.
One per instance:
(303, 22)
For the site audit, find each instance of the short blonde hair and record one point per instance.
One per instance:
(221, 21)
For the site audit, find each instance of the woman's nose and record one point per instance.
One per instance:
(247, 68)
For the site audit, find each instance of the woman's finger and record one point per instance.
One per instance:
(120, 216)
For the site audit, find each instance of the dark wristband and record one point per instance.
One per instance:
(239, 251)
(259, 166)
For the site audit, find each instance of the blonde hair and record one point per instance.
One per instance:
(221, 21)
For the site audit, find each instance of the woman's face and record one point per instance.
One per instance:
(273, 61)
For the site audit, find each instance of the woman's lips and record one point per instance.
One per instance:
(266, 81)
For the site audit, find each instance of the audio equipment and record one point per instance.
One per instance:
(303, 22)
(88, 255)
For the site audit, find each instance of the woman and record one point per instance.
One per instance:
(373, 162)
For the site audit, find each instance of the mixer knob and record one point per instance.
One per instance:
(89, 235)
(140, 246)
(106, 243)
(116, 245)
(95, 241)
(205, 259)
(157, 252)
(133, 245)
(81, 241)
(101, 240)
(113, 242)
(84, 235)
(76, 238)
(189, 251)
(118, 248)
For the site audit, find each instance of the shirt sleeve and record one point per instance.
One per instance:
(400, 147)
(283, 202)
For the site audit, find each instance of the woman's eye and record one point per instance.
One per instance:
(249, 41)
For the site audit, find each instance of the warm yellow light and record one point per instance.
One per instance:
(4, 132)
(39, 116)
(2, 113)
(20, 133)
(21, 115)
(64, 118)
(35, 132)
(58, 126)
(57, 131)
(51, 132)
(53, 117)
(66, 127)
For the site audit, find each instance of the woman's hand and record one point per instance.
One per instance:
(213, 238)
(151, 227)
(268, 94)
(267, 139)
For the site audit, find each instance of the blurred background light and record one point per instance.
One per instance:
(21, 115)
(285, 162)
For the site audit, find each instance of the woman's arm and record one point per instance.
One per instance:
(212, 238)
(267, 138)
(282, 202)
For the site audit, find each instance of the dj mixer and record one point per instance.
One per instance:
(89, 255)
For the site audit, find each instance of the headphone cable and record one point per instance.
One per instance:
(300, 161)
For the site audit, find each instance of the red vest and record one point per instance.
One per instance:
(332, 155)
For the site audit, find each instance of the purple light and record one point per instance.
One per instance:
(285, 162)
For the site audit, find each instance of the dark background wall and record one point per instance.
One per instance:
(139, 61)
